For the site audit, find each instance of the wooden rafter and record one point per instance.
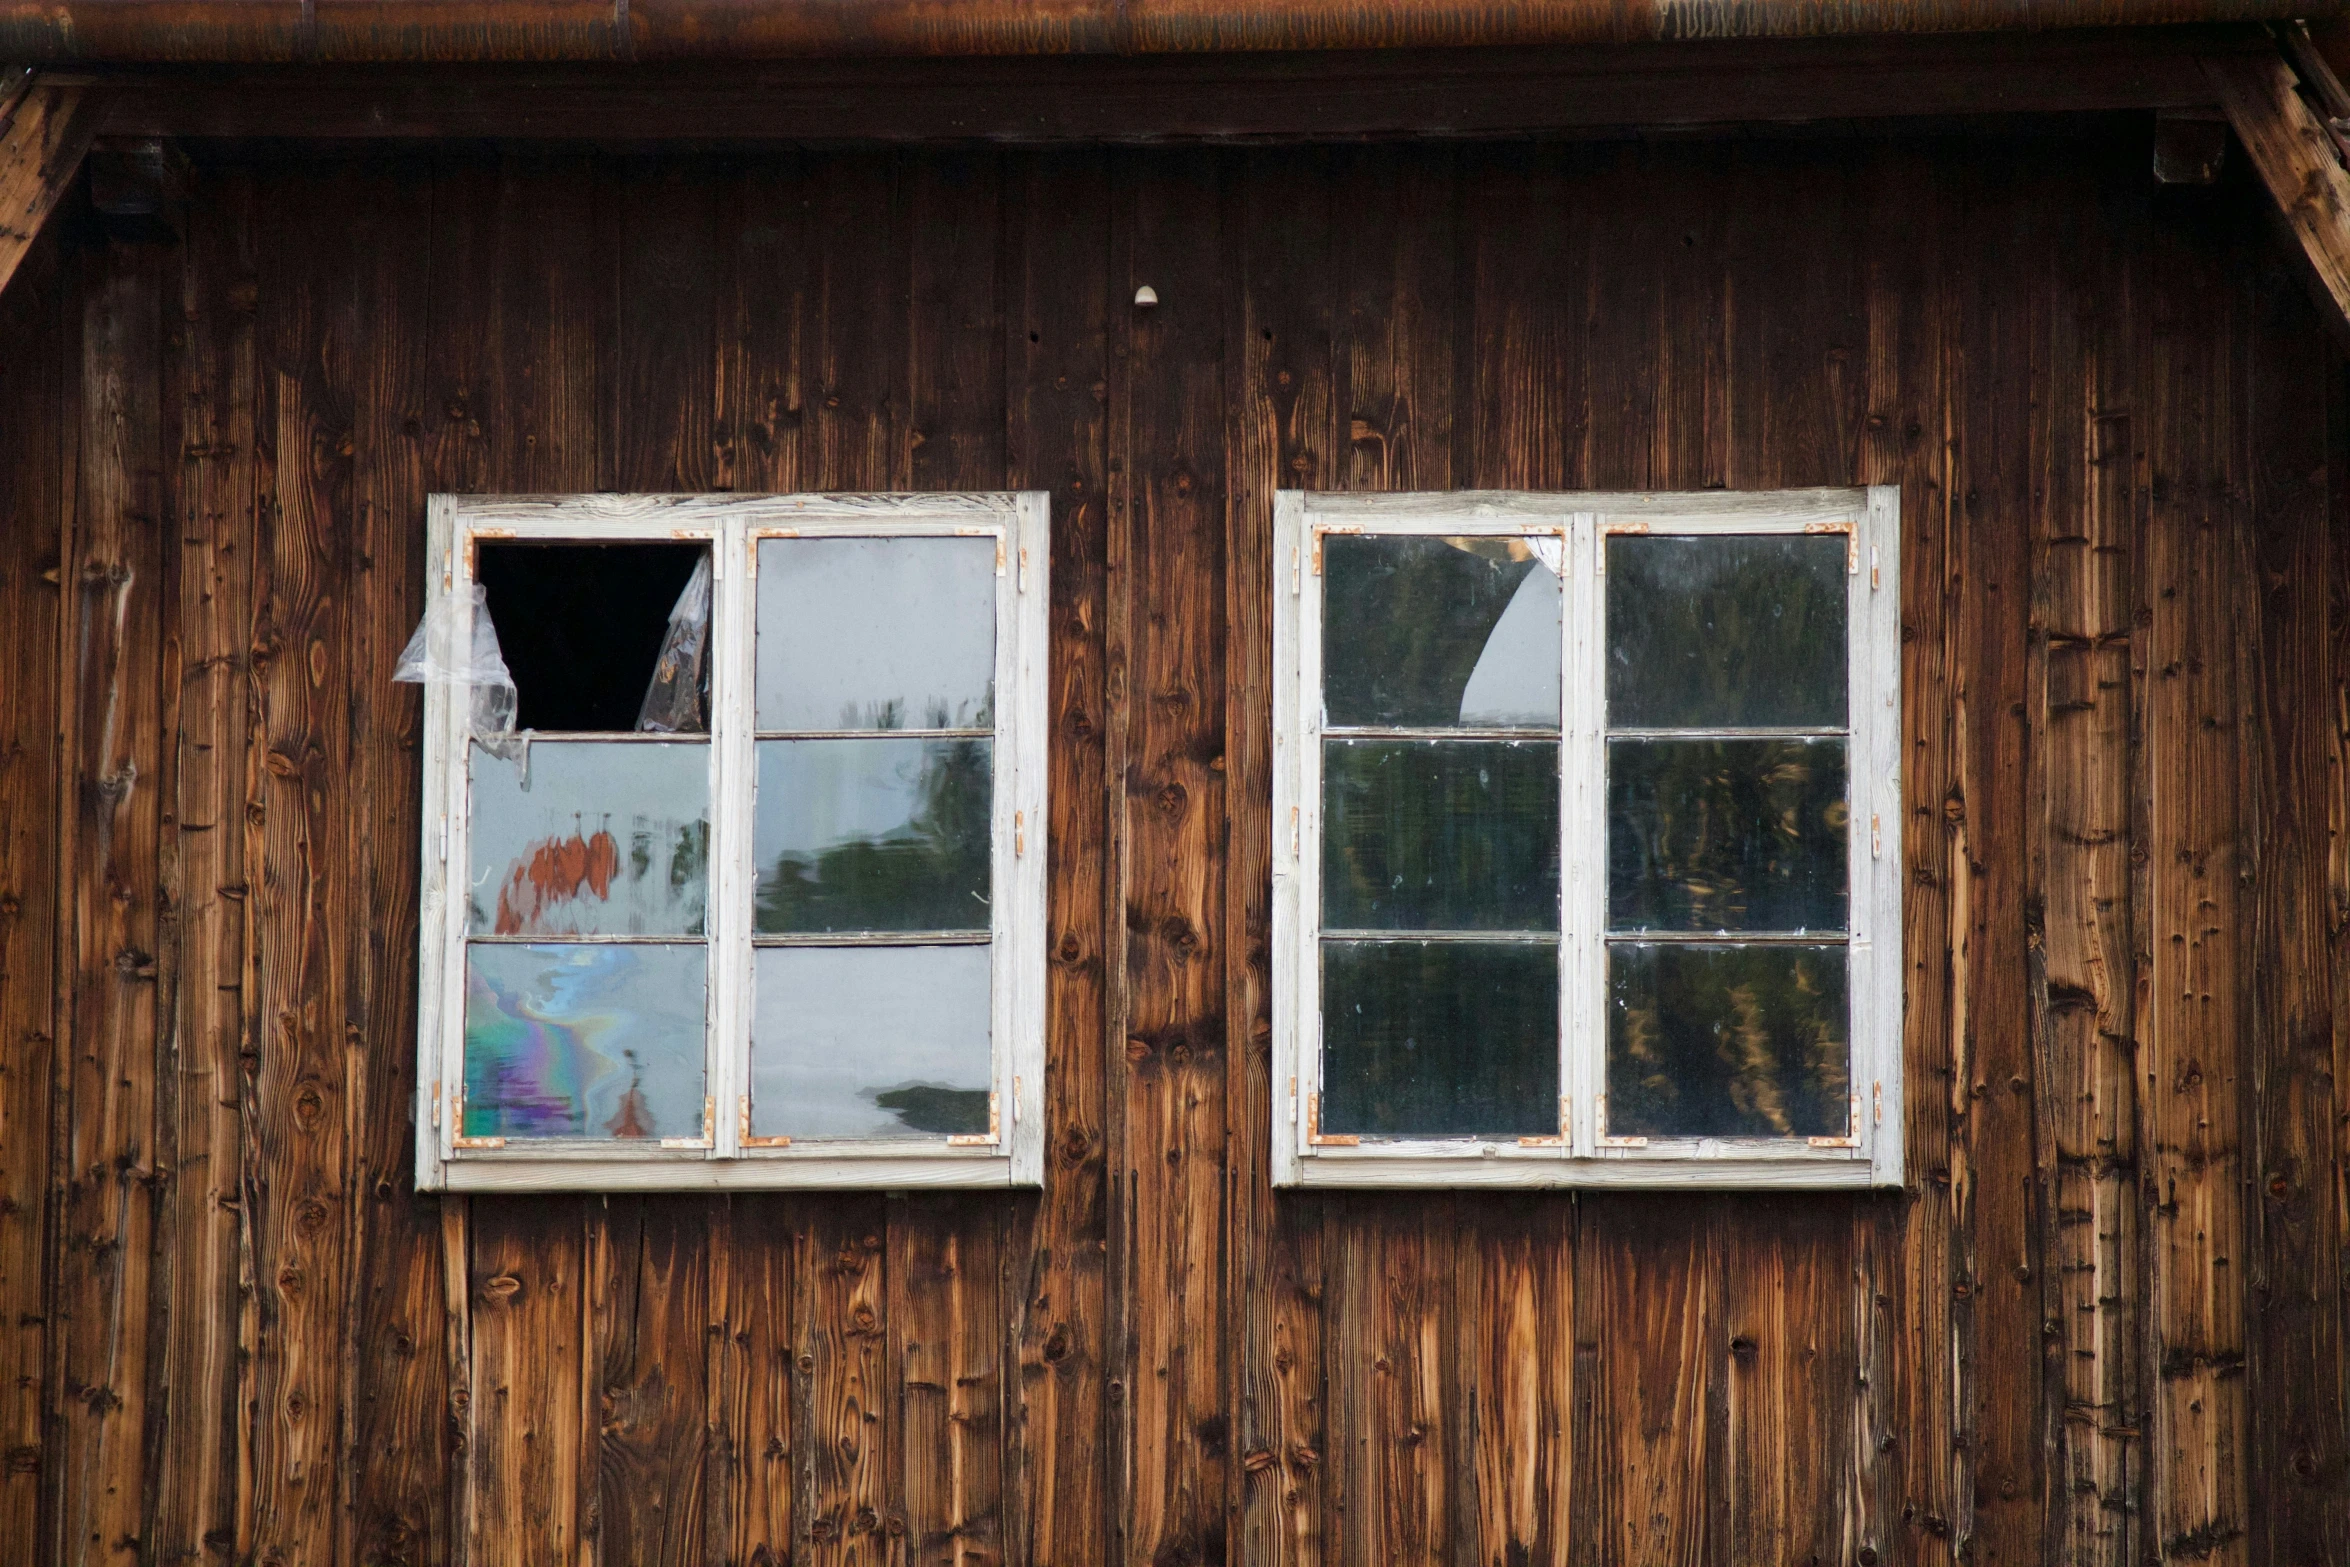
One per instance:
(45, 129)
(2290, 146)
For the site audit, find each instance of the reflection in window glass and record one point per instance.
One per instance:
(597, 1040)
(1439, 633)
(1727, 1041)
(1440, 1039)
(864, 1042)
(1726, 835)
(874, 633)
(589, 838)
(1711, 631)
(874, 835)
(1442, 835)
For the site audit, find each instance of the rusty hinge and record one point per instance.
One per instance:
(976, 1140)
(1314, 1137)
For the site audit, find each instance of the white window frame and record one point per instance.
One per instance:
(725, 1156)
(1582, 1154)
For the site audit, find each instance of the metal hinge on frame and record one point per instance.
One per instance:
(1851, 1139)
(1604, 1140)
(1314, 1137)
(1566, 1118)
(743, 1129)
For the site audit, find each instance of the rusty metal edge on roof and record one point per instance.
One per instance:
(196, 32)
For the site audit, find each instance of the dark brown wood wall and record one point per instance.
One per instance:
(2104, 1324)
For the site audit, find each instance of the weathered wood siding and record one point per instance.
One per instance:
(2104, 1325)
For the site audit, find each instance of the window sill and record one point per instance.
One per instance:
(1796, 1169)
(693, 1172)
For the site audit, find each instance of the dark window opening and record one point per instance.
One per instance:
(581, 625)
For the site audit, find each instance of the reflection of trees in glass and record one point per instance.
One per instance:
(931, 873)
(1726, 835)
(932, 1107)
(1440, 835)
(1728, 1042)
(1439, 1039)
(1407, 621)
(1739, 630)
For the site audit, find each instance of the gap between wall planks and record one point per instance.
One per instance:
(1361, 1377)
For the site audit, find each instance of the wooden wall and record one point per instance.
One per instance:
(2104, 1324)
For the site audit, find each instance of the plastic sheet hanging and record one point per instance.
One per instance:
(461, 651)
(676, 700)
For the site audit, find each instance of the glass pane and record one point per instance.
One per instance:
(598, 1040)
(1439, 633)
(1719, 631)
(589, 838)
(886, 835)
(1440, 1039)
(1726, 835)
(876, 633)
(1440, 835)
(1727, 1041)
(869, 1042)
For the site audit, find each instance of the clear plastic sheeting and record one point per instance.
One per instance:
(674, 701)
(456, 645)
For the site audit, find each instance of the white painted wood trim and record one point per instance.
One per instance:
(1020, 524)
(1870, 520)
(1291, 1054)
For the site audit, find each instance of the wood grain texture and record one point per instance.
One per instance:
(1057, 323)
(397, 1463)
(214, 508)
(2101, 1323)
(2287, 143)
(2299, 1433)
(2191, 1064)
(1171, 1166)
(38, 442)
(44, 133)
(111, 917)
(1283, 435)
(2083, 989)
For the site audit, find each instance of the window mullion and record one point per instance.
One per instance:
(1582, 833)
(728, 1057)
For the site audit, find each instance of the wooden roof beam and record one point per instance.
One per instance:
(2296, 155)
(45, 130)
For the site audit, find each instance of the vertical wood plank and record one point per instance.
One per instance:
(114, 578)
(2300, 1428)
(1908, 441)
(1283, 436)
(397, 1464)
(1057, 326)
(1520, 1347)
(1996, 1311)
(2193, 1019)
(1648, 1345)
(1173, 1082)
(37, 430)
(214, 518)
(751, 1392)
(847, 1386)
(296, 1181)
(2083, 993)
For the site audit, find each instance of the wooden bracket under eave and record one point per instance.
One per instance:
(42, 143)
(2290, 146)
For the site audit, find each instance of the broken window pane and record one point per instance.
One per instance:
(874, 835)
(1440, 1039)
(1712, 631)
(1445, 835)
(1439, 633)
(1727, 1041)
(583, 626)
(863, 1042)
(1726, 835)
(597, 1040)
(876, 633)
(591, 838)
